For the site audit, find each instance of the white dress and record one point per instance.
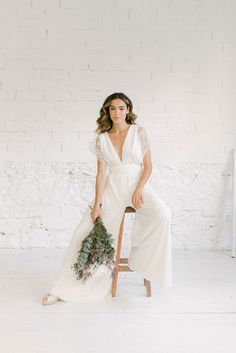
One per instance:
(150, 254)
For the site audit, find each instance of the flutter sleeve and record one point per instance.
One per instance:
(144, 140)
(95, 148)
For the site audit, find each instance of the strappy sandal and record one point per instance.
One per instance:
(50, 299)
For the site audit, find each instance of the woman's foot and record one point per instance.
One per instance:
(49, 299)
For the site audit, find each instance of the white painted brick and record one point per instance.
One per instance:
(57, 95)
(15, 125)
(23, 4)
(23, 146)
(10, 240)
(39, 238)
(31, 25)
(32, 111)
(47, 64)
(73, 110)
(18, 64)
(59, 60)
(33, 34)
(54, 74)
(2, 125)
(31, 13)
(55, 195)
(44, 42)
(29, 95)
(22, 79)
(23, 53)
(44, 4)
(132, 4)
(87, 6)
(7, 95)
(2, 64)
(45, 85)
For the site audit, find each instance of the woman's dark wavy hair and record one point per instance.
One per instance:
(104, 121)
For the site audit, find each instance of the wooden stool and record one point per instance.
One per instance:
(120, 262)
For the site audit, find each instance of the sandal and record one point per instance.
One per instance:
(49, 299)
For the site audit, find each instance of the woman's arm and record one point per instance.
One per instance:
(100, 182)
(137, 197)
(147, 170)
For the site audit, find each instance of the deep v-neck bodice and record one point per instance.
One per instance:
(133, 150)
(123, 146)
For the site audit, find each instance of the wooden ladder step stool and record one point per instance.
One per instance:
(121, 262)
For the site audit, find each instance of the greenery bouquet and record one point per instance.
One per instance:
(96, 249)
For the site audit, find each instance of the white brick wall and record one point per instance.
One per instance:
(59, 59)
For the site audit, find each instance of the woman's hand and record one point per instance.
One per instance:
(96, 212)
(137, 197)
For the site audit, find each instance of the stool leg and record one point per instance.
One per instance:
(148, 287)
(118, 251)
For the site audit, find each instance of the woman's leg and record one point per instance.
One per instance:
(150, 254)
(66, 286)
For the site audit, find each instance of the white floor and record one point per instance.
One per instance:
(197, 315)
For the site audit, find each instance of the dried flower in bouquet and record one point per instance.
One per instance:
(96, 249)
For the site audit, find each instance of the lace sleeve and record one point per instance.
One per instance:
(145, 140)
(95, 148)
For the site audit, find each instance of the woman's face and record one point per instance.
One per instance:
(118, 111)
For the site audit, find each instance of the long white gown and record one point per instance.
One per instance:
(150, 254)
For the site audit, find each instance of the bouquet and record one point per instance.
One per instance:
(96, 249)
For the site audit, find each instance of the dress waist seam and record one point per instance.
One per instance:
(125, 168)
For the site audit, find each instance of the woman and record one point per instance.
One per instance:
(123, 146)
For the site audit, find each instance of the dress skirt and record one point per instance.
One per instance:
(150, 253)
